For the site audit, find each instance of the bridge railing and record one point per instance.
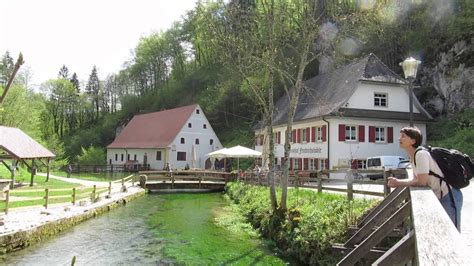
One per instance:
(184, 176)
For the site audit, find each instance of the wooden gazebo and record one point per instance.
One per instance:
(16, 146)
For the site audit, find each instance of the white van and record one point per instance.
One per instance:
(380, 162)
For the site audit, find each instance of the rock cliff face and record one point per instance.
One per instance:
(452, 79)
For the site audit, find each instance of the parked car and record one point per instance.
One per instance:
(387, 162)
(405, 164)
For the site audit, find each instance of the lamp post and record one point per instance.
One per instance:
(410, 66)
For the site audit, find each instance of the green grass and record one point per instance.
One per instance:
(39, 183)
(100, 177)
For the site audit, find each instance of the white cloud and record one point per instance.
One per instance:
(81, 34)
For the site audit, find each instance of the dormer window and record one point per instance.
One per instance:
(380, 99)
(197, 111)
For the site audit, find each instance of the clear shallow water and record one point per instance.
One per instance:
(184, 229)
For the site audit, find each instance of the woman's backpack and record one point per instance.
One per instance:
(457, 167)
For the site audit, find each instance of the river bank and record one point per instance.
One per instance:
(23, 227)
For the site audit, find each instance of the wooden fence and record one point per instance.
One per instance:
(76, 194)
(108, 168)
(321, 180)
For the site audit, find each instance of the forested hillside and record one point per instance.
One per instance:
(220, 55)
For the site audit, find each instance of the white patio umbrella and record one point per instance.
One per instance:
(217, 155)
(240, 152)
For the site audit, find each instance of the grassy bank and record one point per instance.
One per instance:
(312, 224)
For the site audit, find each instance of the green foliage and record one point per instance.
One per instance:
(455, 132)
(91, 156)
(311, 225)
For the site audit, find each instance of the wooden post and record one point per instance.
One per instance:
(386, 188)
(32, 169)
(93, 194)
(73, 196)
(48, 167)
(7, 200)
(350, 180)
(200, 178)
(110, 188)
(320, 181)
(172, 182)
(46, 192)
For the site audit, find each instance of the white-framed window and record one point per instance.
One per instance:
(303, 135)
(351, 133)
(361, 164)
(380, 99)
(296, 164)
(319, 134)
(322, 164)
(380, 134)
(313, 164)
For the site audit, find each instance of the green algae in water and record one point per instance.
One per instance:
(204, 229)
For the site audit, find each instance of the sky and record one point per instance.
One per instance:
(81, 34)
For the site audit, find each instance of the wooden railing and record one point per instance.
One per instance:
(93, 193)
(320, 180)
(76, 168)
(184, 176)
(408, 227)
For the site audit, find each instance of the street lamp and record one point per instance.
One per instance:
(410, 66)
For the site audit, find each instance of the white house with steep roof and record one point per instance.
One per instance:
(181, 136)
(344, 117)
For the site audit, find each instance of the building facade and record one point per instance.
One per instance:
(344, 117)
(182, 137)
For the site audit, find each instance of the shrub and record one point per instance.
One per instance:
(312, 224)
(91, 156)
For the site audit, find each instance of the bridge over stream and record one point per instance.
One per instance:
(187, 180)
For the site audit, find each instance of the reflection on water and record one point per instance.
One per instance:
(155, 229)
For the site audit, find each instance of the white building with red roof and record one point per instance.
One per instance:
(181, 136)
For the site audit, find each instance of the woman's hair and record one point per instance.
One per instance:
(413, 133)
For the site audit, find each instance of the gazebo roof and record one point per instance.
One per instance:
(17, 144)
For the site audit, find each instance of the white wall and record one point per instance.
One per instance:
(197, 131)
(363, 98)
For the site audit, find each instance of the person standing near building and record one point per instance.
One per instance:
(410, 139)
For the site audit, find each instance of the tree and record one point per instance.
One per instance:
(75, 82)
(93, 89)
(6, 68)
(63, 73)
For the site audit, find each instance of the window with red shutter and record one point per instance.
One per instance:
(279, 137)
(306, 164)
(390, 134)
(324, 133)
(293, 135)
(361, 133)
(371, 134)
(307, 134)
(313, 134)
(342, 132)
(300, 163)
(298, 136)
